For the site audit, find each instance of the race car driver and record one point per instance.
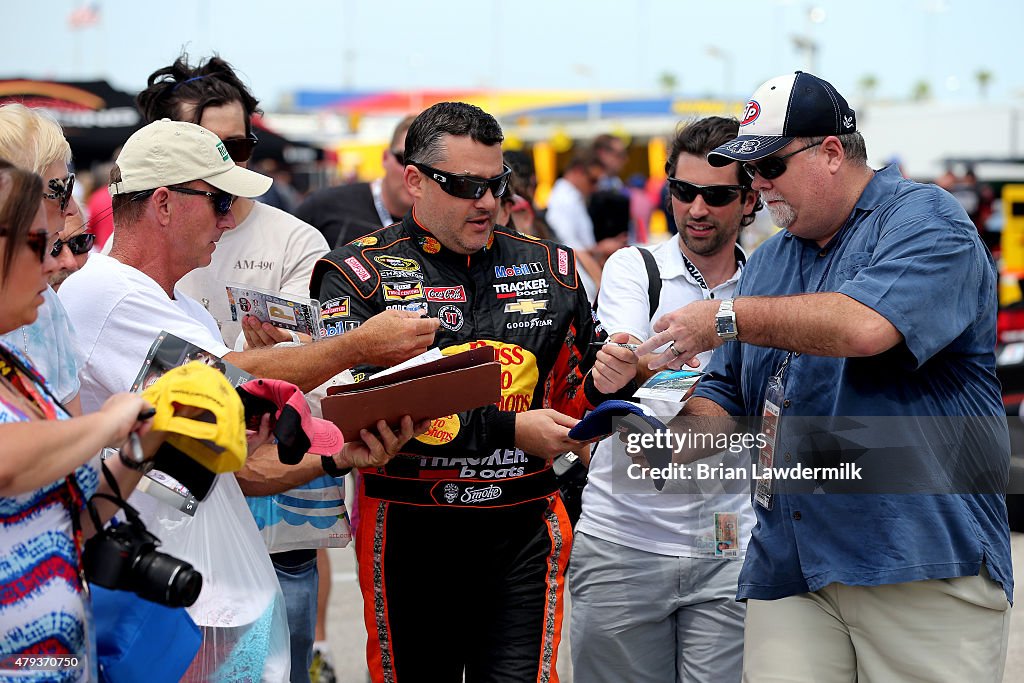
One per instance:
(468, 581)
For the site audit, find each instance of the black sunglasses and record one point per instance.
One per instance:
(61, 190)
(772, 167)
(467, 186)
(714, 195)
(399, 157)
(79, 244)
(240, 149)
(222, 201)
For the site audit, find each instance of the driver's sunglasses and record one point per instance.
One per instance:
(772, 167)
(399, 156)
(714, 195)
(240, 149)
(61, 190)
(222, 201)
(467, 186)
(79, 244)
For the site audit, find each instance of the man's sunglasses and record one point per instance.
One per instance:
(772, 167)
(79, 244)
(240, 149)
(61, 190)
(222, 201)
(714, 195)
(467, 186)
(399, 156)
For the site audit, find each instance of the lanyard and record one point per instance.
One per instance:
(741, 260)
(378, 203)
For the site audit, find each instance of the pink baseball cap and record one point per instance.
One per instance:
(296, 430)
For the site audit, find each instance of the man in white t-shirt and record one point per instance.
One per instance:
(567, 215)
(652, 575)
(173, 188)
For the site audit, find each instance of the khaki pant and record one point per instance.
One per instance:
(952, 630)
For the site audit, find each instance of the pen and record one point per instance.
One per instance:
(631, 347)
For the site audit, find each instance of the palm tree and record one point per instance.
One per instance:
(868, 84)
(921, 92)
(668, 82)
(984, 79)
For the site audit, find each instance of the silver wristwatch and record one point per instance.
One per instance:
(725, 321)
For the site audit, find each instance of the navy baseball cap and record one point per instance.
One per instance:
(797, 105)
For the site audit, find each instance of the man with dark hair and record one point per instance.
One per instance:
(568, 216)
(658, 552)
(610, 150)
(346, 212)
(877, 298)
(463, 543)
(269, 248)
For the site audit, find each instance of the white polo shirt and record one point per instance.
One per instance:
(667, 522)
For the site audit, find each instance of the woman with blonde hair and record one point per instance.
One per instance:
(32, 140)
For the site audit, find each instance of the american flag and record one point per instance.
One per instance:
(84, 15)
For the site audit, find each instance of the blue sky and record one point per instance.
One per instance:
(548, 44)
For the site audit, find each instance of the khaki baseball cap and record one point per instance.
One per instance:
(173, 152)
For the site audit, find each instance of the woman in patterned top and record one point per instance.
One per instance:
(49, 465)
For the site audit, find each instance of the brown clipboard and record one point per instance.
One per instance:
(452, 384)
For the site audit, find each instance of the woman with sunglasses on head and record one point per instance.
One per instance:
(49, 465)
(268, 249)
(32, 140)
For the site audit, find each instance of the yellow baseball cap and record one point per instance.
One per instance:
(214, 439)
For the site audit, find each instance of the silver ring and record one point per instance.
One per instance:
(672, 348)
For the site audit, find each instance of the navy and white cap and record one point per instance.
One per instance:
(796, 105)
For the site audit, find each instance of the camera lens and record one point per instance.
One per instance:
(167, 580)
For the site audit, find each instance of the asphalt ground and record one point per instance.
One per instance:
(347, 635)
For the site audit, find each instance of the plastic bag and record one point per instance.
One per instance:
(241, 608)
(309, 516)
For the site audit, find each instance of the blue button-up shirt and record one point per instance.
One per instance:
(909, 252)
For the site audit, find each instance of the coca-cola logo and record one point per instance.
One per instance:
(446, 294)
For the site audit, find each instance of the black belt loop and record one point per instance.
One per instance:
(461, 493)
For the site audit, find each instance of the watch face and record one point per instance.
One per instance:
(725, 326)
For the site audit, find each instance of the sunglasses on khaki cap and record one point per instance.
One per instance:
(168, 153)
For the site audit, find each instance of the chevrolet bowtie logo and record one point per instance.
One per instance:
(527, 306)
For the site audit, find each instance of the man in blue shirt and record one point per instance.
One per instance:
(877, 298)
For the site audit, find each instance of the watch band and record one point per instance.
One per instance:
(144, 467)
(331, 467)
(725, 321)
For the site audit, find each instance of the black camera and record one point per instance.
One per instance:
(124, 557)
